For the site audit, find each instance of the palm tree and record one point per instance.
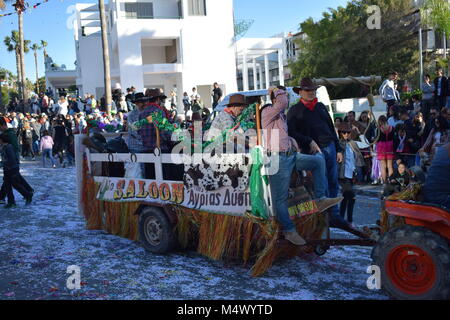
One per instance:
(19, 5)
(35, 47)
(13, 44)
(44, 44)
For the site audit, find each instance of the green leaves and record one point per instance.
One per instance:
(341, 45)
(436, 14)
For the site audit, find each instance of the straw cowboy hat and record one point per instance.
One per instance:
(237, 100)
(305, 84)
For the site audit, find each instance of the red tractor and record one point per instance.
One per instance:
(413, 252)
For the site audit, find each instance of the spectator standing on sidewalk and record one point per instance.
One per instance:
(385, 148)
(347, 170)
(427, 96)
(388, 92)
(440, 89)
(217, 95)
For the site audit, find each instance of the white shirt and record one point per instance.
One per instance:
(63, 107)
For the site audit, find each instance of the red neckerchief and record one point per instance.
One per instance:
(310, 104)
(159, 107)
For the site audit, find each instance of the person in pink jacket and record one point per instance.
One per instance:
(47, 148)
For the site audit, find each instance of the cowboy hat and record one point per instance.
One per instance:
(237, 100)
(155, 93)
(305, 84)
(140, 97)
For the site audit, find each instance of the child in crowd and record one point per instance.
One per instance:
(397, 181)
(47, 148)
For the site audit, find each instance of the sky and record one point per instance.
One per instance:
(49, 22)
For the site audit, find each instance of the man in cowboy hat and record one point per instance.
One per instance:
(134, 139)
(311, 126)
(286, 149)
(226, 119)
(148, 132)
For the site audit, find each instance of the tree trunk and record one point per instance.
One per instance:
(106, 67)
(37, 75)
(22, 56)
(19, 73)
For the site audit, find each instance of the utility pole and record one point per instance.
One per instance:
(106, 66)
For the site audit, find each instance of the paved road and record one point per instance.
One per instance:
(39, 242)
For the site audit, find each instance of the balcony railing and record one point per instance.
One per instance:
(154, 17)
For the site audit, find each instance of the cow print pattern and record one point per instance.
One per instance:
(224, 171)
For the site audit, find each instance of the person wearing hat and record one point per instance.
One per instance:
(226, 119)
(352, 158)
(286, 149)
(310, 124)
(134, 141)
(148, 132)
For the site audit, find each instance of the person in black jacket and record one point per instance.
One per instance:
(440, 89)
(11, 174)
(310, 124)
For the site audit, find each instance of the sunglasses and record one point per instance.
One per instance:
(345, 132)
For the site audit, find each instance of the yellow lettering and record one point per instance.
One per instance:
(177, 193)
(142, 192)
(118, 193)
(153, 189)
(164, 192)
(130, 190)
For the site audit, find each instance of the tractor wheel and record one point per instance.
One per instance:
(414, 264)
(155, 231)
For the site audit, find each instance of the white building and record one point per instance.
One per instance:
(263, 62)
(171, 44)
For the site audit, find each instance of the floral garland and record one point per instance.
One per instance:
(114, 126)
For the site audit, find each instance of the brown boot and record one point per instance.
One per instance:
(327, 203)
(294, 238)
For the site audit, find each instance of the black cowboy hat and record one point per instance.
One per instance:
(155, 93)
(140, 97)
(305, 84)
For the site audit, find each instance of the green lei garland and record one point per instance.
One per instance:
(245, 121)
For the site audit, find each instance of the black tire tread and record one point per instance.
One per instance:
(169, 242)
(432, 242)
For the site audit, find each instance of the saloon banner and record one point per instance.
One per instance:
(226, 200)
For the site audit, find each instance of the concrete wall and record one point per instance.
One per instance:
(91, 64)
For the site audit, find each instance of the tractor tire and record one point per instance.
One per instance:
(155, 231)
(414, 264)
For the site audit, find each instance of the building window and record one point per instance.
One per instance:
(139, 10)
(197, 7)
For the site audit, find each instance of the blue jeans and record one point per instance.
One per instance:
(48, 153)
(315, 164)
(279, 183)
(330, 156)
(279, 187)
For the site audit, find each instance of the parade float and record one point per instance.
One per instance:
(225, 212)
